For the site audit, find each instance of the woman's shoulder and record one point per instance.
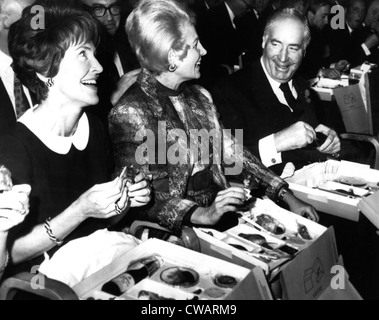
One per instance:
(198, 89)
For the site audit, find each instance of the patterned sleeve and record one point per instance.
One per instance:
(252, 169)
(125, 121)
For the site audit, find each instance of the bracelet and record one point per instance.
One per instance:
(6, 262)
(50, 233)
(283, 192)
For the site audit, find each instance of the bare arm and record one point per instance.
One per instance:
(97, 202)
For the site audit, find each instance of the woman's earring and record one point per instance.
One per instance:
(172, 67)
(49, 83)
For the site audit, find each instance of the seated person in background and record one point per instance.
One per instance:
(189, 183)
(317, 57)
(114, 54)
(372, 32)
(14, 207)
(15, 99)
(272, 103)
(300, 5)
(227, 30)
(353, 41)
(56, 148)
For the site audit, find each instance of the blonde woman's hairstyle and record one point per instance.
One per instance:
(154, 28)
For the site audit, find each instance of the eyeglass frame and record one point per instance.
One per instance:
(109, 8)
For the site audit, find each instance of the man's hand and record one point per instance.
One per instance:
(331, 73)
(332, 144)
(342, 66)
(372, 41)
(296, 136)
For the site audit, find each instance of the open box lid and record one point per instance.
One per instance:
(317, 273)
(303, 183)
(370, 208)
(253, 284)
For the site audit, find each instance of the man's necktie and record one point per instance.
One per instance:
(22, 103)
(290, 98)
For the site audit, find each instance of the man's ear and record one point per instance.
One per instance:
(264, 40)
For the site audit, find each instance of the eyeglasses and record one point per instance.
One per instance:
(100, 10)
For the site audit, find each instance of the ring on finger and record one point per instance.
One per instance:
(117, 209)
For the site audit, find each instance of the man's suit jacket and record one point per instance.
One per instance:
(346, 46)
(317, 55)
(245, 100)
(7, 114)
(224, 43)
(109, 78)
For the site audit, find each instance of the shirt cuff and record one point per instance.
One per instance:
(268, 153)
(365, 49)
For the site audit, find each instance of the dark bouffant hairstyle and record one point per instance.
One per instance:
(40, 49)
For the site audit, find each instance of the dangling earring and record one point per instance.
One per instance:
(49, 83)
(172, 67)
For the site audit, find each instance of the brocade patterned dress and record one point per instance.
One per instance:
(151, 127)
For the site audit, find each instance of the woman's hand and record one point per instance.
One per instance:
(100, 201)
(301, 208)
(139, 193)
(226, 200)
(14, 206)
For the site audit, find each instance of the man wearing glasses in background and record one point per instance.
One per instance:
(114, 54)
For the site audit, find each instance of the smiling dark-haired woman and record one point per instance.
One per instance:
(193, 192)
(57, 149)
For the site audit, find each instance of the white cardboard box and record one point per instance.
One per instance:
(217, 244)
(306, 182)
(317, 274)
(252, 284)
(325, 94)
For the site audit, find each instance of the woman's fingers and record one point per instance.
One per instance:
(12, 203)
(22, 188)
(10, 218)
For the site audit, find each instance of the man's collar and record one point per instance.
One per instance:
(350, 29)
(274, 84)
(231, 14)
(5, 61)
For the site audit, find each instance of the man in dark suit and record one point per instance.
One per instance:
(226, 31)
(353, 41)
(317, 61)
(10, 108)
(277, 126)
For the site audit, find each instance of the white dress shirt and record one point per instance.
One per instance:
(118, 64)
(267, 150)
(231, 15)
(7, 76)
